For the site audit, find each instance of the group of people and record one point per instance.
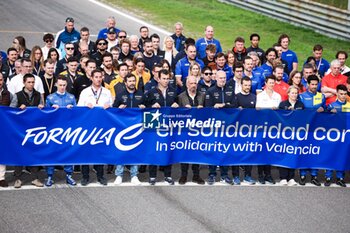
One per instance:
(134, 71)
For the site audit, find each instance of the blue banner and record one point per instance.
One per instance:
(295, 139)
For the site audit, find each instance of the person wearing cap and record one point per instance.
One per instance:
(48, 40)
(68, 34)
(111, 38)
(110, 22)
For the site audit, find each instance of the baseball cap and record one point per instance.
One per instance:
(111, 30)
(69, 20)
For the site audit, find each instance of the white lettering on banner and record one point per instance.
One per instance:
(300, 150)
(121, 135)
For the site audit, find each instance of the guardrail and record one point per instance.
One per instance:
(325, 19)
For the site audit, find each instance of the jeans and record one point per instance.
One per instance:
(339, 174)
(120, 170)
(50, 170)
(152, 169)
(303, 172)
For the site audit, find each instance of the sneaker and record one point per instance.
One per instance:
(283, 182)
(169, 180)
(49, 181)
(85, 182)
(197, 179)
(152, 181)
(135, 180)
(315, 181)
(102, 181)
(261, 180)
(292, 182)
(183, 180)
(341, 182)
(211, 180)
(18, 184)
(70, 180)
(269, 180)
(249, 180)
(118, 180)
(3, 183)
(328, 182)
(302, 180)
(236, 180)
(37, 183)
(226, 180)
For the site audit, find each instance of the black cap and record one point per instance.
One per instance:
(111, 30)
(69, 20)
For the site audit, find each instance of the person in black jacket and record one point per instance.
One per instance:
(161, 96)
(287, 174)
(27, 97)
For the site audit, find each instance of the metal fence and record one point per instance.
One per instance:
(325, 19)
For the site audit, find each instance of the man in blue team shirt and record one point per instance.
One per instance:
(267, 68)
(221, 64)
(322, 65)
(288, 55)
(61, 98)
(202, 43)
(178, 37)
(68, 34)
(248, 72)
(110, 23)
(317, 101)
(340, 105)
(183, 65)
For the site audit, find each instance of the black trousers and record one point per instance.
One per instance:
(185, 166)
(152, 169)
(33, 170)
(264, 170)
(286, 173)
(85, 170)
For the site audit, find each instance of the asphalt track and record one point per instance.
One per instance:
(127, 208)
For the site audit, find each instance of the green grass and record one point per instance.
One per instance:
(229, 22)
(342, 4)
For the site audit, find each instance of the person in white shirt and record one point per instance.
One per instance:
(268, 98)
(95, 96)
(16, 84)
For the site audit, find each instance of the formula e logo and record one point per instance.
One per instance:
(151, 120)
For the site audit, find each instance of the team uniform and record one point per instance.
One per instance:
(290, 57)
(201, 45)
(332, 81)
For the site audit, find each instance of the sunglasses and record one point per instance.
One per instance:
(207, 74)
(70, 48)
(101, 43)
(121, 37)
(48, 41)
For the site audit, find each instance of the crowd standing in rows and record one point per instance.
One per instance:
(139, 71)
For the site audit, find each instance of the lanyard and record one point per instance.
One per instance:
(95, 94)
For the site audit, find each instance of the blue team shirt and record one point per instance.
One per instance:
(202, 43)
(313, 101)
(228, 71)
(340, 106)
(256, 83)
(290, 57)
(183, 66)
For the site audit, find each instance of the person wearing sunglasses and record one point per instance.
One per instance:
(48, 40)
(206, 81)
(101, 45)
(69, 51)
